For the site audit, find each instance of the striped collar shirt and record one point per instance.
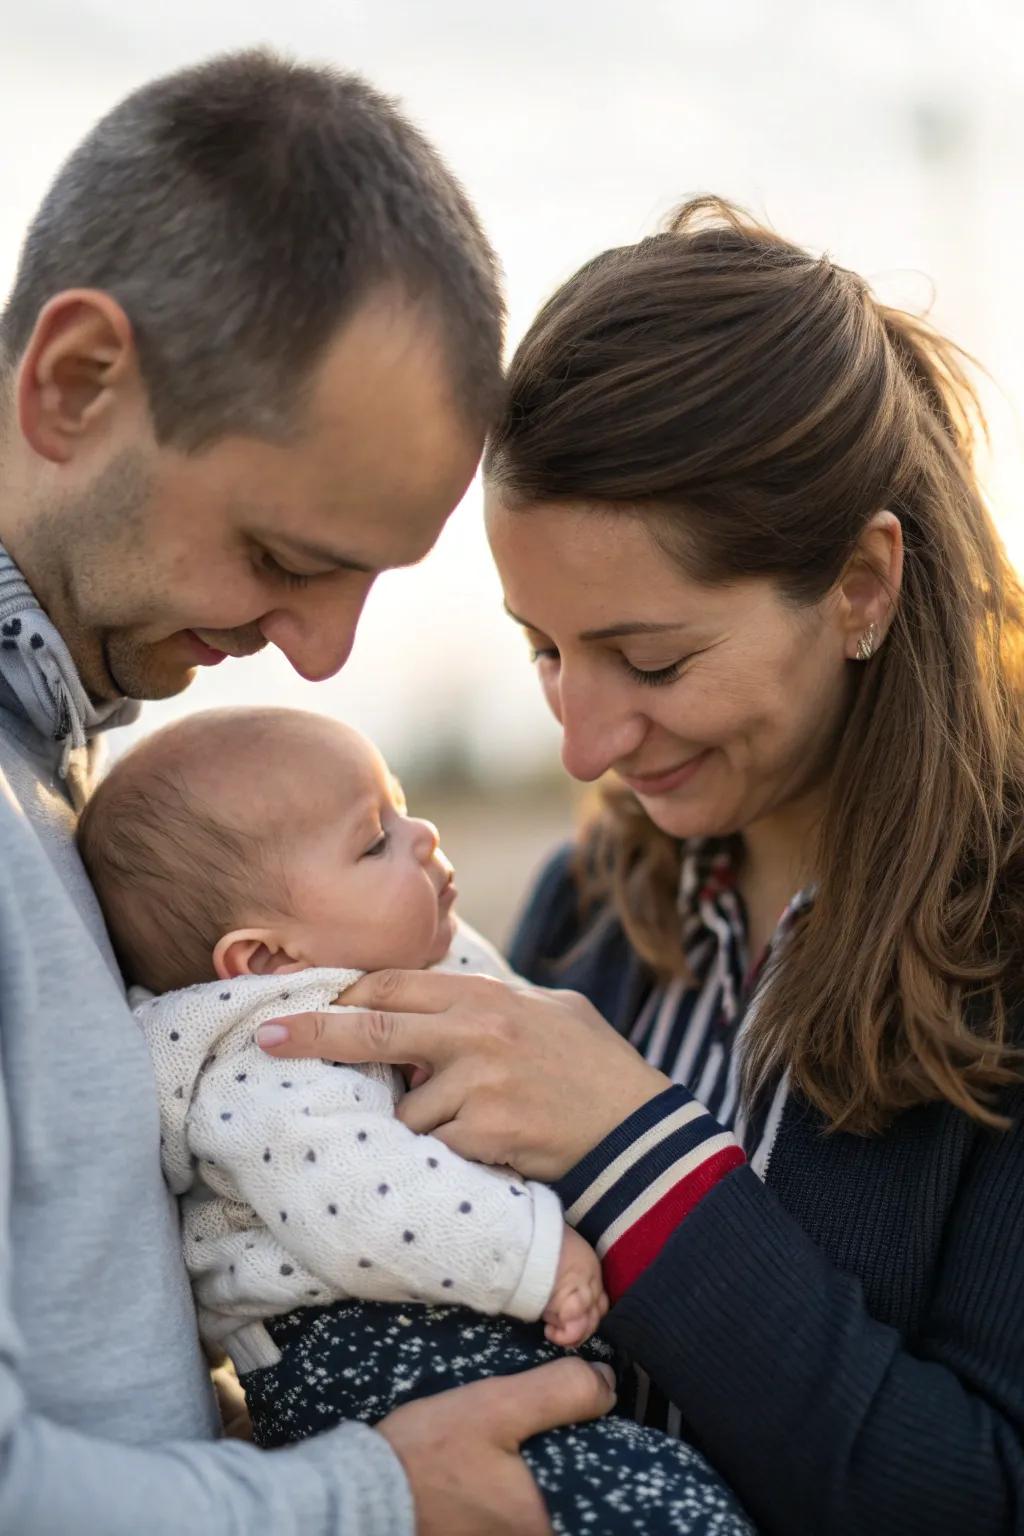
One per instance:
(633, 1190)
(629, 1194)
(692, 1028)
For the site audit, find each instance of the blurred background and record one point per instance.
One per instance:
(887, 132)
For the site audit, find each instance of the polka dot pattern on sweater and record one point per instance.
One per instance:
(360, 1187)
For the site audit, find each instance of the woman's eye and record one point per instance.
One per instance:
(274, 568)
(657, 677)
(543, 653)
(376, 849)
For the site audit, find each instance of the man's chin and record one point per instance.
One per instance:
(145, 672)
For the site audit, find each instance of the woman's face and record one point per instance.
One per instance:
(716, 705)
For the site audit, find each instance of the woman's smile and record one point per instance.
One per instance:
(666, 780)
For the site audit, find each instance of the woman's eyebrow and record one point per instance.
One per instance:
(610, 631)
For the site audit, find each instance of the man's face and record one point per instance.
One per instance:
(152, 561)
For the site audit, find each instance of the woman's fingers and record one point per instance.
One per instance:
(453, 1136)
(435, 1103)
(354, 1037)
(412, 991)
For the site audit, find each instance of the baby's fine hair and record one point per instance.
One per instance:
(171, 875)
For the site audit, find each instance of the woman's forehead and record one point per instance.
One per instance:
(599, 573)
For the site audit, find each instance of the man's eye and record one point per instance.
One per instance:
(376, 849)
(543, 653)
(274, 568)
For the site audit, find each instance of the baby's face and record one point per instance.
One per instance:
(367, 885)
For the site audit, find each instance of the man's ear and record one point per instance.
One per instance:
(79, 363)
(869, 587)
(254, 952)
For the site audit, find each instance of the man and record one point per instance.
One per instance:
(248, 363)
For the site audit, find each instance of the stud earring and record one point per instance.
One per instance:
(867, 642)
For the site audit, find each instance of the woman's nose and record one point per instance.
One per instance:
(596, 732)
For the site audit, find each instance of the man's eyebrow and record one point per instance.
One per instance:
(326, 556)
(609, 631)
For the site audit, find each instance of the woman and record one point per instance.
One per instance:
(732, 504)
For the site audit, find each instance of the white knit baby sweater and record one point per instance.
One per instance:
(301, 1187)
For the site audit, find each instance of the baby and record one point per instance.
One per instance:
(253, 863)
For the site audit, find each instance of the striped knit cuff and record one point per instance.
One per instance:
(628, 1196)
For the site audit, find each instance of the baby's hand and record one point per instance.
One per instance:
(578, 1301)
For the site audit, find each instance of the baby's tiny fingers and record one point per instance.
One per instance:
(573, 1304)
(565, 1335)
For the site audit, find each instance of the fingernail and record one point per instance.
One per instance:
(272, 1034)
(607, 1374)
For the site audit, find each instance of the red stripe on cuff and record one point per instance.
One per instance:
(641, 1243)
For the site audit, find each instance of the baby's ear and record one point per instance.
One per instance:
(254, 952)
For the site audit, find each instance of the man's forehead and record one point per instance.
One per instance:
(392, 450)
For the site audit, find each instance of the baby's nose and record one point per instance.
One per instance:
(426, 838)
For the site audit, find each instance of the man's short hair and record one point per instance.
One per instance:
(239, 211)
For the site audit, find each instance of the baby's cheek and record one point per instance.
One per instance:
(406, 935)
(443, 938)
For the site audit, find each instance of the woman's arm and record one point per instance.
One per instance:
(817, 1414)
(820, 1417)
(767, 1347)
(630, 1193)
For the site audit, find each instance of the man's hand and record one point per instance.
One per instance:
(460, 1449)
(234, 1415)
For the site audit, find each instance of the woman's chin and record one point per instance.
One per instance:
(689, 821)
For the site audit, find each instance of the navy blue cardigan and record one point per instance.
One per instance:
(846, 1341)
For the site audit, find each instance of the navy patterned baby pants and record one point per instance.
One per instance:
(358, 1360)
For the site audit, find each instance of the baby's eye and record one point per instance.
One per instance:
(376, 849)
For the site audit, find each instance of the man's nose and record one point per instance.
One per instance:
(597, 730)
(317, 628)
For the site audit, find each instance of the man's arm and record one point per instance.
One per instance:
(54, 1480)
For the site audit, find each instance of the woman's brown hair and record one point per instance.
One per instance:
(757, 406)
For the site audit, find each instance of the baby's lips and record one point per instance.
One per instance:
(447, 869)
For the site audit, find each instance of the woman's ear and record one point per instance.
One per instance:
(79, 368)
(254, 952)
(869, 587)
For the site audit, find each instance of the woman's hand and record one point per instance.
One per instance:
(518, 1074)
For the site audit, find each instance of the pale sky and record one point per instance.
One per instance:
(889, 132)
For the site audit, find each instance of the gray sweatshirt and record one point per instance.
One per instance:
(107, 1422)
